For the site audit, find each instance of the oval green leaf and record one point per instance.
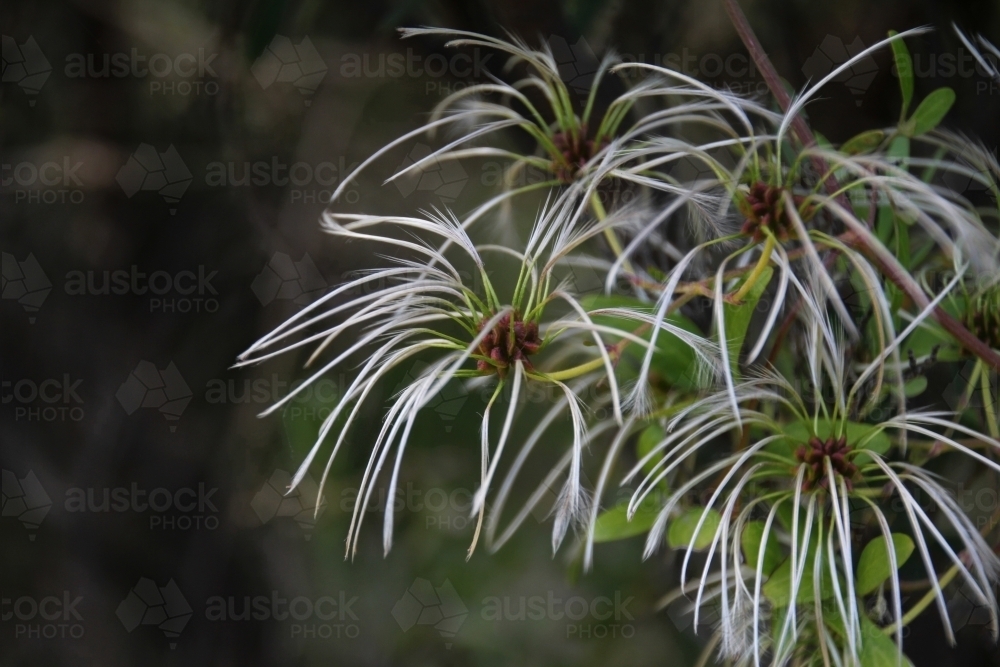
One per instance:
(904, 70)
(613, 524)
(931, 111)
(753, 534)
(915, 387)
(863, 143)
(651, 436)
(682, 529)
(873, 566)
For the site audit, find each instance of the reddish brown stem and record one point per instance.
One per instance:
(964, 337)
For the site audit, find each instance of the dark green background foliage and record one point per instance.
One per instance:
(85, 224)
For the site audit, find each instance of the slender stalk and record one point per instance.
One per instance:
(766, 69)
(575, 371)
(964, 337)
(765, 259)
(945, 579)
(923, 603)
(991, 415)
(609, 233)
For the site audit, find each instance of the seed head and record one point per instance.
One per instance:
(813, 455)
(512, 339)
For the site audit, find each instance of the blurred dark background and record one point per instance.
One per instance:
(164, 167)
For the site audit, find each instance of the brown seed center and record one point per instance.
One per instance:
(765, 209)
(815, 453)
(512, 339)
(576, 152)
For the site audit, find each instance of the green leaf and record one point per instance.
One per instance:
(649, 438)
(930, 113)
(778, 587)
(753, 533)
(682, 529)
(904, 70)
(877, 648)
(915, 387)
(873, 566)
(738, 317)
(674, 362)
(613, 524)
(863, 436)
(863, 143)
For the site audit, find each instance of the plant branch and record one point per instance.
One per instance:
(889, 269)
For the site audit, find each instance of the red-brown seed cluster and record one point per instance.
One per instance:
(508, 343)
(814, 454)
(765, 208)
(576, 151)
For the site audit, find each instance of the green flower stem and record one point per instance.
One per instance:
(945, 579)
(609, 233)
(575, 371)
(762, 263)
(924, 602)
(991, 415)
